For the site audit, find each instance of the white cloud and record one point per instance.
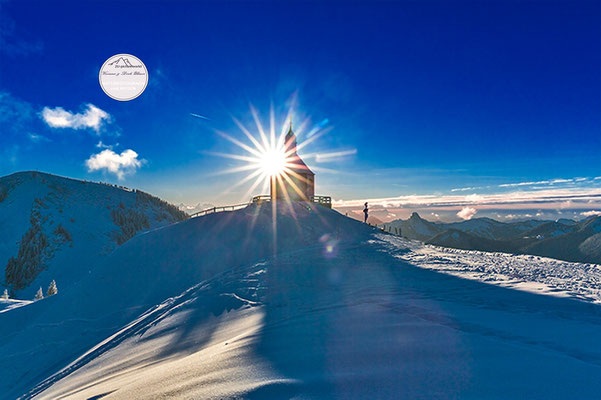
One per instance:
(334, 156)
(590, 213)
(525, 184)
(92, 117)
(473, 198)
(555, 196)
(467, 213)
(119, 164)
(550, 182)
(102, 145)
(465, 189)
(37, 138)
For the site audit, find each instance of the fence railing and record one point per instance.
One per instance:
(219, 209)
(260, 199)
(325, 201)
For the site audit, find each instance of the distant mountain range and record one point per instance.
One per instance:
(563, 239)
(192, 209)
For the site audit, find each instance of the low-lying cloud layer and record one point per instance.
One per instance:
(549, 202)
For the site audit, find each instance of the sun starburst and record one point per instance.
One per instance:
(270, 157)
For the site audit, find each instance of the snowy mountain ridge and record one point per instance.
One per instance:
(562, 239)
(57, 228)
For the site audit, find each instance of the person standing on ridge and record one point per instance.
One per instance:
(365, 211)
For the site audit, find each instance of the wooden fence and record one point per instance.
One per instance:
(325, 201)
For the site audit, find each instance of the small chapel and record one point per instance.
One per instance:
(302, 185)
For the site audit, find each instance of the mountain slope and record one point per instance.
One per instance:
(564, 240)
(416, 227)
(573, 245)
(550, 229)
(208, 308)
(460, 240)
(57, 228)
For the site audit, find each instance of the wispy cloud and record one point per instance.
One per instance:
(15, 113)
(466, 189)
(333, 156)
(9, 155)
(91, 117)
(590, 213)
(541, 204)
(533, 184)
(534, 196)
(199, 116)
(37, 138)
(119, 164)
(14, 42)
(546, 182)
(101, 145)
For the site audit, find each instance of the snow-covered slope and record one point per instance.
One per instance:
(215, 307)
(57, 228)
(524, 272)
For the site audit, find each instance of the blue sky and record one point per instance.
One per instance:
(438, 106)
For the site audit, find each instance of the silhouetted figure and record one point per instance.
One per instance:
(365, 211)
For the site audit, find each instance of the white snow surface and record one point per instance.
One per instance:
(523, 272)
(207, 308)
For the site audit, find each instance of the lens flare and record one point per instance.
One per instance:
(268, 158)
(273, 162)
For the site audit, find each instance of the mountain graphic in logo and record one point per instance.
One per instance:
(123, 77)
(121, 62)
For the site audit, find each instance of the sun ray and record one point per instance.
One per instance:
(294, 186)
(248, 167)
(289, 203)
(254, 141)
(328, 170)
(239, 143)
(243, 181)
(313, 138)
(234, 156)
(268, 159)
(272, 127)
(257, 182)
(266, 144)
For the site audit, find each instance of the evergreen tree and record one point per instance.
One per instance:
(39, 295)
(52, 290)
(5, 295)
